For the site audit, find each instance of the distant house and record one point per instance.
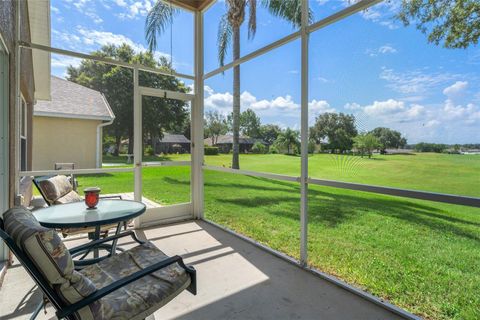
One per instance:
(225, 143)
(68, 128)
(399, 151)
(172, 143)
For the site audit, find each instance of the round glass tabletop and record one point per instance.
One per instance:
(77, 214)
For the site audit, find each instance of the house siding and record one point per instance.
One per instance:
(64, 140)
(8, 30)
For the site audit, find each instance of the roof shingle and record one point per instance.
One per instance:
(71, 100)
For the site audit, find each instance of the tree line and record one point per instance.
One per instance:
(332, 132)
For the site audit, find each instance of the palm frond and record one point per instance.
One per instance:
(224, 38)
(158, 19)
(290, 10)
(252, 19)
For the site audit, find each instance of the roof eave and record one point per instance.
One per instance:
(71, 116)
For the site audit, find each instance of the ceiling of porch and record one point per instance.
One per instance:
(195, 5)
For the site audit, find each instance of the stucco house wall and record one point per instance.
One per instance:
(8, 9)
(58, 140)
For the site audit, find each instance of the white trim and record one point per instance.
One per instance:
(37, 173)
(137, 138)
(4, 139)
(70, 116)
(165, 214)
(167, 164)
(197, 116)
(16, 114)
(29, 45)
(166, 94)
(304, 138)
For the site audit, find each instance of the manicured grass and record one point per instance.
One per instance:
(420, 255)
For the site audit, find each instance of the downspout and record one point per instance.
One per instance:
(99, 133)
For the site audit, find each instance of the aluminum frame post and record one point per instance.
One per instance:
(137, 136)
(304, 137)
(197, 123)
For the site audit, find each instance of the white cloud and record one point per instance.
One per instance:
(59, 61)
(322, 79)
(320, 106)
(97, 38)
(414, 82)
(390, 111)
(135, 9)
(383, 13)
(387, 49)
(282, 105)
(352, 106)
(54, 9)
(120, 3)
(455, 89)
(95, 17)
(469, 114)
(389, 106)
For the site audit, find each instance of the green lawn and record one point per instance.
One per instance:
(422, 256)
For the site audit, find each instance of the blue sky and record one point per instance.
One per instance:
(368, 64)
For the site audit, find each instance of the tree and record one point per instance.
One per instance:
(365, 143)
(249, 123)
(215, 125)
(259, 148)
(228, 31)
(338, 128)
(116, 83)
(288, 139)
(388, 138)
(269, 133)
(455, 23)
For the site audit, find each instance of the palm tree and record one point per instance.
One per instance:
(288, 139)
(160, 16)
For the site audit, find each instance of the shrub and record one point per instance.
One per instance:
(259, 147)
(149, 151)
(273, 150)
(211, 151)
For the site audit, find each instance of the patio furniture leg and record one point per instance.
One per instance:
(114, 242)
(96, 237)
(38, 308)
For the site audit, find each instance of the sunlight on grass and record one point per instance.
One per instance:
(422, 256)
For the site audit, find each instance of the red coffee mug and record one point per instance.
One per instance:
(92, 196)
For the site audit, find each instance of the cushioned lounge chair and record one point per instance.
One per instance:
(131, 285)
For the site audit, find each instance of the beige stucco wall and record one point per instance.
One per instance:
(64, 140)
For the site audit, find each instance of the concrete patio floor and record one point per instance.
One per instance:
(236, 280)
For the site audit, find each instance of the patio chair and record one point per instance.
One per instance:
(59, 190)
(131, 285)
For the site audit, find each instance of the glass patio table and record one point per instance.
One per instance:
(77, 215)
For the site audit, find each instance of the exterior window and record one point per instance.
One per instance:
(23, 135)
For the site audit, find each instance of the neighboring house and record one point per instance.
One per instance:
(68, 128)
(172, 143)
(225, 143)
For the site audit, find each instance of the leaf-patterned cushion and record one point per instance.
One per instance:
(46, 250)
(142, 297)
(55, 187)
(72, 196)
